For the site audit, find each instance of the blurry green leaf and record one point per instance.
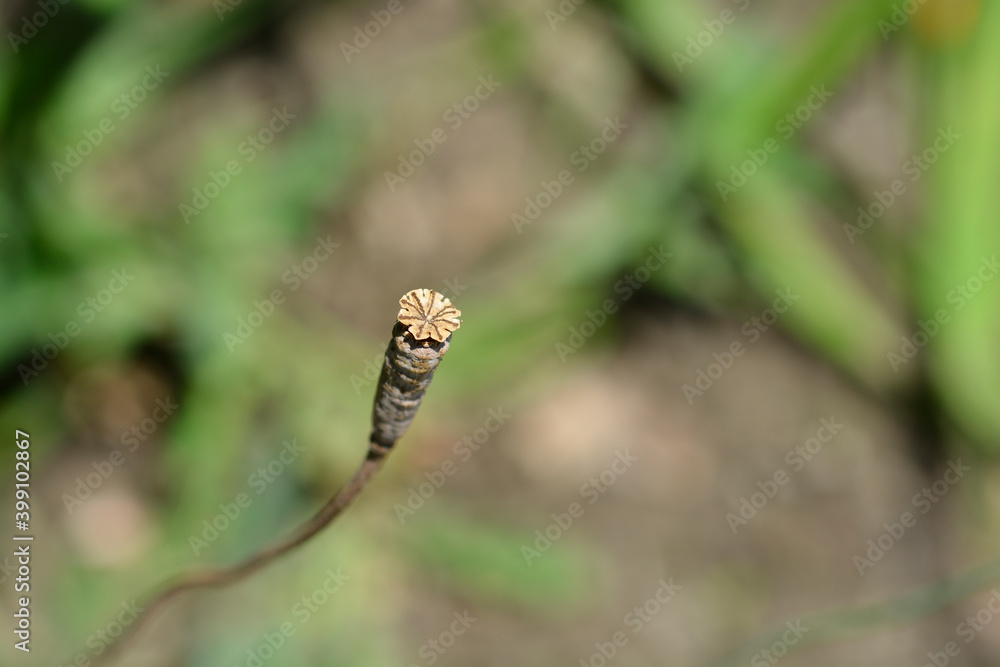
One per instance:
(485, 561)
(960, 240)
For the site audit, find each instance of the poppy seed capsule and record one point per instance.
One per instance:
(410, 362)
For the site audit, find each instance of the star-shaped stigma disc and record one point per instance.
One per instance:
(428, 314)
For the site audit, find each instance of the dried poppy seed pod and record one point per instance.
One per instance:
(419, 340)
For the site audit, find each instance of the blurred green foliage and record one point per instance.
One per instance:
(65, 231)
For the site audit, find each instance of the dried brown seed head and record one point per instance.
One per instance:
(428, 314)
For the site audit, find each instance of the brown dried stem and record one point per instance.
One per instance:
(420, 339)
(216, 577)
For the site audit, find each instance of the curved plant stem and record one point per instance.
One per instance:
(217, 577)
(414, 352)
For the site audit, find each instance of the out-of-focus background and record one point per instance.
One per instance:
(727, 387)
